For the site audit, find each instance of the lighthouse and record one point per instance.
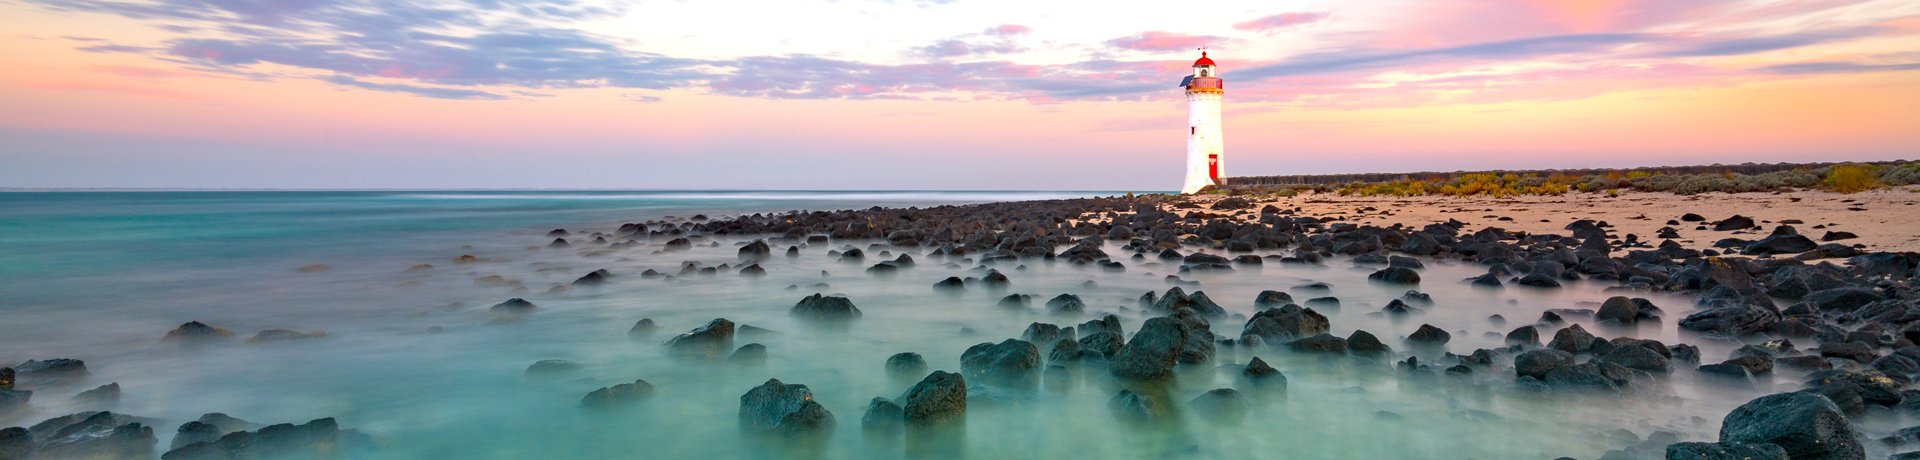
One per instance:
(1205, 165)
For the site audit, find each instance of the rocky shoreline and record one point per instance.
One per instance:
(1842, 320)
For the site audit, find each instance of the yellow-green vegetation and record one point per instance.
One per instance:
(1852, 178)
(1688, 180)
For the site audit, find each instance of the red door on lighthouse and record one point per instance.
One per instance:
(1213, 167)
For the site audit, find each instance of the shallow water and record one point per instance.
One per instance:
(416, 359)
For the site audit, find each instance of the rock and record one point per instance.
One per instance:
(939, 398)
(1857, 351)
(1177, 299)
(195, 331)
(99, 437)
(593, 278)
(51, 372)
(1136, 407)
(547, 367)
(1011, 363)
(1637, 358)
(1737, 222)
(1806, 425)
(1589, 376)
(1364, 343)
(1323, 343)
(1259, 377)
(1066, 303)
(513, 306)
(1739, 320)
(1538, 280)
(1784, 240)
(1840, 300)
(756, 250)
(104, 395)
(824, 308)
(1572, 339)
(1104, 343)
(1537, 363)
(705, 342)
(283, 335)
(7, 378)
(13, 400)
(320, 438)
(1425, 335)
(952, 283)
(906, 365)
(1151, 354)
(1284, 324)
(1724, 451)
(883, 418)
(779, 408)
(15, 443)
(751, 354)
(618, 395)
(1271, 299)
(1691, 217)
(1619, 309)
(1045, 333)
(1837, 236)
(1523, 335)
(1396, 275)
(642, 328)
(1223, 404)
(1487, 280)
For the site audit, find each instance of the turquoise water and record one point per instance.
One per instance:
(415, 358)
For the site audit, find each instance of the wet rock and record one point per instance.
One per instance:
(1426, 334)
(883, 418)
(906, 364)
(513, 306)
(1066, 303)
(1011, 363)
(618, 395)
(15, 443)
(1323, 343)
(1737, 222)
(1284, 324)
(939, 398)
(1045, 333)
(1153, 351)
(210, 427)
(1538, 280)
(195, 331)
(1364, 343)
(1595, 376)
(824, 308)
(1271, 299)
(1486, 280)
(711, 341)
(1619, 309)
(1523, 335)
(13, 400)
(547, 367)
(1572, 339)
(99, 437)
(1784, 240)
(756, 250)
(779, 408)
(320, 438)
(1838, 300)
(1835, 235)
(1724, 451)
(1638, 358)
(751, 354)
(1177, 299)
(1260, 378)
(642, 328)
(593, 278)
(50, 372)
(1133, 407)
(1104, 343)
(104, 395)
(1396, 275)
(952, 283)
(1223, 404)
(1537, 363)
(1807, 426)
(1738, 320)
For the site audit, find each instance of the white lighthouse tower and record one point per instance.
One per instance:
(1205, 165)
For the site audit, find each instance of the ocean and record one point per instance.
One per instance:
(413, 357)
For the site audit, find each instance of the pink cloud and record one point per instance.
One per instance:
(1279, 21)
(1007, 30)
(1162, 41)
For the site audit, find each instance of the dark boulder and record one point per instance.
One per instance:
(1011, 363)
(1133, 407)
(618, 395)
(50, 372)
(1323, 343)
(756, 250)
(824, 308)
(100, 437)
(1271, 299)
(1537, 363)
(779, 408)
(1572, 339)
(1153, 351)
(1618, 309)
(939, 398)
(1737, 222)
(1426, 335)
(1363, 343)
(1259, 377)
(1840, 300)
(195, 331)
(1524, 335)
(906, 365)
(1396, 275)
(1284, 324)
(1066, 303)
(1737, 320)
(15, 443)
(1221, 405)
(320, 438)
(1808, 426)
(711, 341)
(1784, 240)
(104, 395)
(1637, 358)
(1724, 451)
(513, 306)
(883, 418)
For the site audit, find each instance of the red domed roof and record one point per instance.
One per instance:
(1204, 60)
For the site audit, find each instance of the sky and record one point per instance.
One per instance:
(927, 94)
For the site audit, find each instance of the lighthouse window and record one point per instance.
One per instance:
(1192, 130)
(1203, 72)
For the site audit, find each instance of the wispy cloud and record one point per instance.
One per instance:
(1163, 41)
(1280, 21)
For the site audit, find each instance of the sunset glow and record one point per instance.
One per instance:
(927, 94)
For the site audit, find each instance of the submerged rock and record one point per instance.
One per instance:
(1152, 352)
(618, 395)
(1221, 405)
(711, 341)
(195, 331)
(1725, 451)
(513, 306)
(883, 418)
(906, 365)
(825, 308)
(1011, 363)
(320, 438)
(1396, 275)
(779, 408)
(939, 398)
(1134, 407)
(1806, 425)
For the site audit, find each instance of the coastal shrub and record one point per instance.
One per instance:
(1852, 178)
(1905, 174)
